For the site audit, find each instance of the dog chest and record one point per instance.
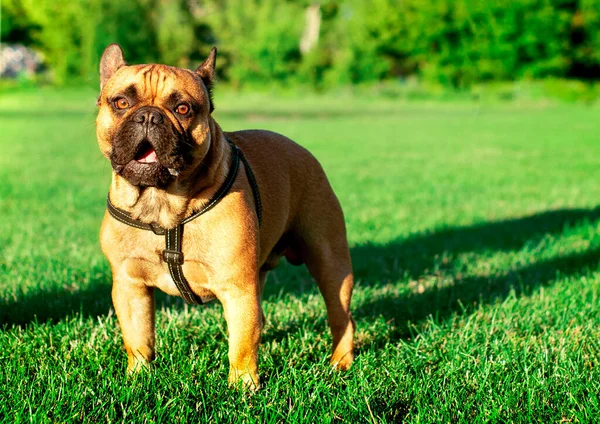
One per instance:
(137, 257)
(156, 274)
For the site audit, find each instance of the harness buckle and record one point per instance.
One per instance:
(157, 229)
(174, 257)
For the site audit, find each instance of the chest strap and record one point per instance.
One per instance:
(172, 255)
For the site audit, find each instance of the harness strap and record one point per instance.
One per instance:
(172, 255)
(253, 184)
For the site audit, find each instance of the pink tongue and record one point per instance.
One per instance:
(148, 157)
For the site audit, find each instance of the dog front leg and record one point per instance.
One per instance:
(244, 318)
(134, 304)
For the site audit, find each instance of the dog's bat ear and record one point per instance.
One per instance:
(112, 60)
(206, 72)
(207, 69)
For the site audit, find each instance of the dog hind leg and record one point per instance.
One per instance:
(324, 248)
(331, 268)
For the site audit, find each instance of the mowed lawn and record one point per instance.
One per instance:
(474, 231)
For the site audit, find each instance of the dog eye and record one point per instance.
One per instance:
(121, 103)
(182, 109)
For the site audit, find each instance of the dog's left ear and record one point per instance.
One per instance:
(207, 69)
(112, 60)
(206, 72)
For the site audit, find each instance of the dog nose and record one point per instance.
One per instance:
(147, 115)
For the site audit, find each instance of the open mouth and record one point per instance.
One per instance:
(145, 169)
(146, 154)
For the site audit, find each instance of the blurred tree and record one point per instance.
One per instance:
(372, 41)
(14, 25)
(323, 43)
(461, 42)
(585, 38)
(132, 24)
(260, 38)
(73, 34)
(65, 32)
(175, 32)
(312, 28)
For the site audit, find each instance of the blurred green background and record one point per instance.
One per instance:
(436, 44)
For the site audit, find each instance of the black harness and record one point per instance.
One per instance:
(172, 254)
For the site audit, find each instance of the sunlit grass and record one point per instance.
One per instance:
(474, 236)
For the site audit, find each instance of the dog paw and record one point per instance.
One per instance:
(136, 366)
(244, 380)
(343, 363)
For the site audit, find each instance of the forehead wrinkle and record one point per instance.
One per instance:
(161, 73)
(163, 83)
(147, 74)
(154, 84)
(164, 73)
(158, 80)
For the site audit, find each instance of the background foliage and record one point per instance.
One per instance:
(450, 42)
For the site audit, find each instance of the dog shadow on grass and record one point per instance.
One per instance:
(57, 303)
(419, 256)
(374, 265)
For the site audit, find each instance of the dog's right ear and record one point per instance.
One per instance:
(112, 59)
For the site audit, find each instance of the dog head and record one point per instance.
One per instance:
(153, 120)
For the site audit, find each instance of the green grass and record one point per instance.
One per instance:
(474, 231)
